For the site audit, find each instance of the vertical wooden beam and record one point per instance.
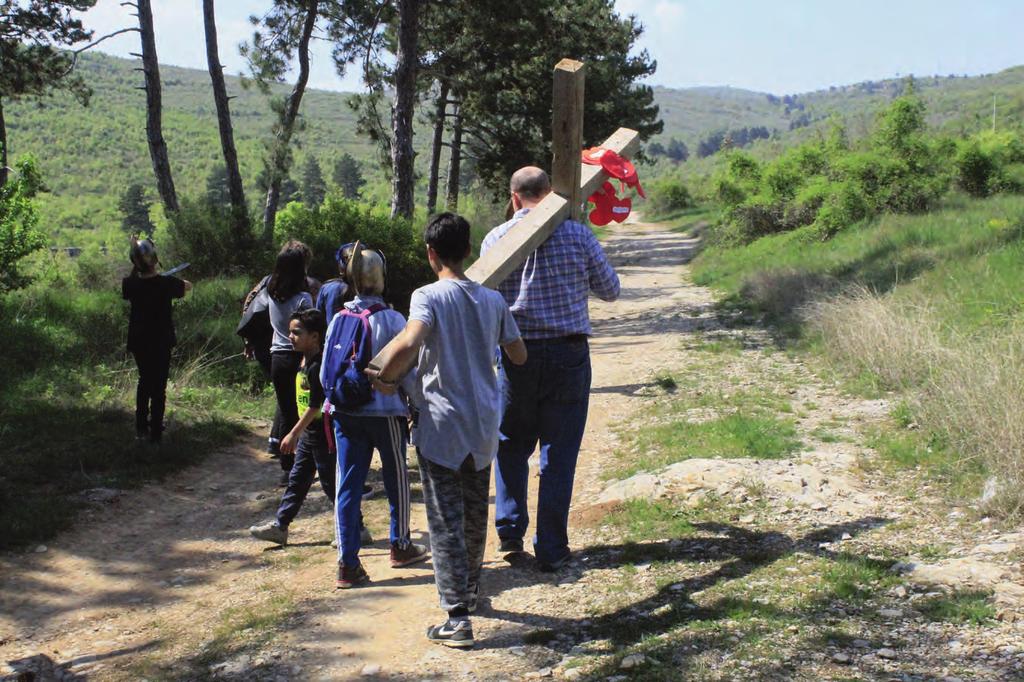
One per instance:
(567, 132)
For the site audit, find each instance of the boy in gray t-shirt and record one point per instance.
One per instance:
(455, 325)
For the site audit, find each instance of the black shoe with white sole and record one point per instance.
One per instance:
(454, 632)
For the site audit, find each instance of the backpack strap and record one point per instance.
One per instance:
(365, 315)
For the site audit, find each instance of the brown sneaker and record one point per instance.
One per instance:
(413, 554)
(350, 576)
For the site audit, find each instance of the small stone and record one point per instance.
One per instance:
(632, 661)
(517, 651)
(846, 536)
(840, 658)
(899, 591)
(572, 674)
(890, 613)
(861, 644)
(886, 653)
(749, 518)
(678, 587)
(370, 669)
(41, 549)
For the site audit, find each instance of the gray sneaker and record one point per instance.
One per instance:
(271, 532)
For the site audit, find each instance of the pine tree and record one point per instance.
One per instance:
(314, 188)
(217, 191)
(677, 151)
(348, 176)
(135, 208)
(32, 61)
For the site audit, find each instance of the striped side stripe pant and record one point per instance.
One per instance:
(356, 439)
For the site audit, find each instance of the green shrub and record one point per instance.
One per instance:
(18, 220)
(844, 206)
(757, 217)
(974, 169)
(669, 196)
(98, 271)
(201, 235)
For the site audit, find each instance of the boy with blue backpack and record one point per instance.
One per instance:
(365, 420)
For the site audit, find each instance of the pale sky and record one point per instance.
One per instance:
(779, 46)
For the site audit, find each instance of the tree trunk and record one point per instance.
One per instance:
(154, 105)
(240, 217)
(3, 145)
(435, 150)
(287, 124)
(455, 163)
(402, 155)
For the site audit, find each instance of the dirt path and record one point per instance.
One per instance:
(164, 583)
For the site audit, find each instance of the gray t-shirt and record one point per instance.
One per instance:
(457, 374)
(281, 315)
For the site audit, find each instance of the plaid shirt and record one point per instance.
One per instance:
(548, 293)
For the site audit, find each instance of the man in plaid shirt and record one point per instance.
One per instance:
(549, 395)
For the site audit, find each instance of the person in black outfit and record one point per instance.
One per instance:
(150, 334)
(288, 293)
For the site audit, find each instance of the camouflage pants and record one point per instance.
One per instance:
(456, 504)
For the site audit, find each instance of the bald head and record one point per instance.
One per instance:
(531, 184)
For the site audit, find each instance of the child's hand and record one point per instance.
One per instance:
(288, 443)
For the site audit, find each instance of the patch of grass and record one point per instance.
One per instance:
(246, 626)
(931, 552)
(822, 434)
(642, 519)
(923, 452)
(665, 381)
(857, 578)
(719, 345)
(974, 608)
(734, 435)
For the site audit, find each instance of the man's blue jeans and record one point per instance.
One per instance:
(549, 396)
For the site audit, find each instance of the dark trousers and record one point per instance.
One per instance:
(151, 393)
(456, 502)
(262, 357)
(284, 365)
(548, 401)
(311, 457)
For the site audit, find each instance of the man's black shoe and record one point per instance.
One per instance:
(551, 567)
(510, 545)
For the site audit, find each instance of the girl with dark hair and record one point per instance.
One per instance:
(288, 293)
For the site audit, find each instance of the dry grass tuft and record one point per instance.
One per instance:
(969, 392)
(780, 293)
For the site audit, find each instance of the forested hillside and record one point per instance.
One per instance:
(88, 155)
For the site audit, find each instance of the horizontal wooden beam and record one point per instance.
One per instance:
(518, 243)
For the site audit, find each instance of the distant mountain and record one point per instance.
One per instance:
(957, 102)
(89, 154)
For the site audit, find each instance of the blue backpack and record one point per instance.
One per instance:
(347, 352)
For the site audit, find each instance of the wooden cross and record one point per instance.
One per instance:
(571, 181)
